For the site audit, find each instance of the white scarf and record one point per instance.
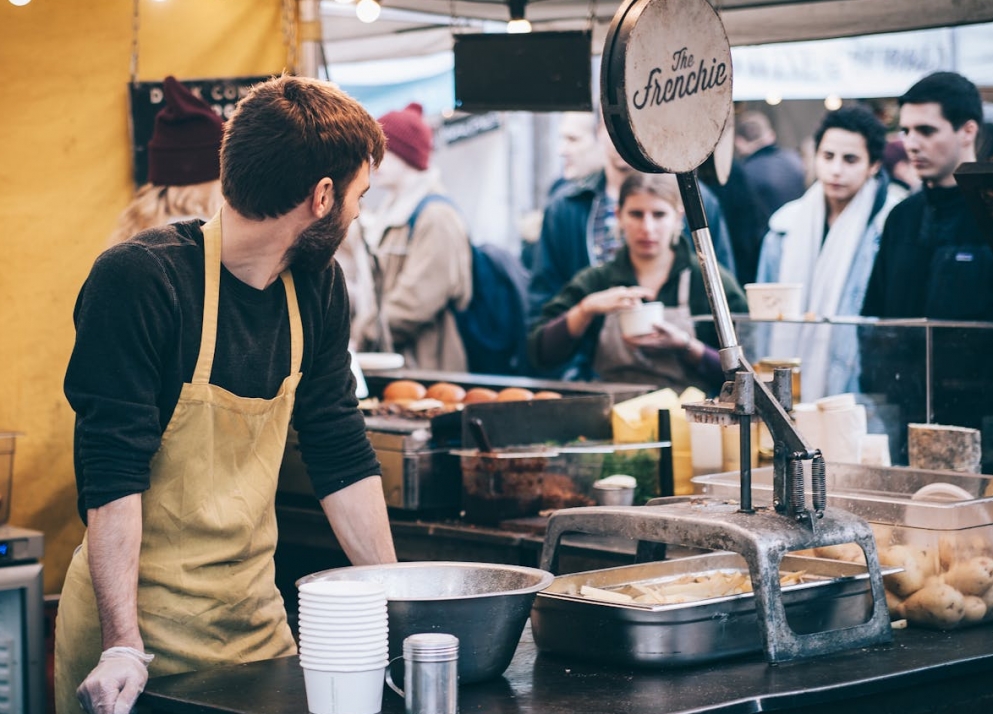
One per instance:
(822, 269)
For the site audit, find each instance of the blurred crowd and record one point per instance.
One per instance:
(875, 226)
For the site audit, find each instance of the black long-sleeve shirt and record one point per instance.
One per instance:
(138, 319)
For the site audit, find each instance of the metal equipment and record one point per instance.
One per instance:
(666, 90)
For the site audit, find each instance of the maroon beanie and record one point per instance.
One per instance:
(186, 141)
(408, 136)
(893, 153)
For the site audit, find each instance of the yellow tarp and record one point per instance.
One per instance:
(65, 174)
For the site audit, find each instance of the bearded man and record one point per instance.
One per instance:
(196, 344)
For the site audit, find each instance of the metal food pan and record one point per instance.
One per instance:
(690, 633)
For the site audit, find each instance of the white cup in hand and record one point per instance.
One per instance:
(641, 319)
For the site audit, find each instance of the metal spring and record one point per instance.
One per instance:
(818, 483)
(796, 467)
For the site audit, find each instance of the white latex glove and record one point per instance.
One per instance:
(115, 683)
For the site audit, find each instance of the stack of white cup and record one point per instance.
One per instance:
(343, 646)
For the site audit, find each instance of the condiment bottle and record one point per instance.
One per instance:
(430, 679)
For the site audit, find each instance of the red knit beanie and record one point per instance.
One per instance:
(408, 136)
(186, 140)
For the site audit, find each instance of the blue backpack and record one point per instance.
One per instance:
(493, 326)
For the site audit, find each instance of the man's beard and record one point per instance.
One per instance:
(316, 245)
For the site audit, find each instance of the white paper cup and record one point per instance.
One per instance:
(362, 645)
(342, 613)
(342, 599)
(641, 320)
(344, 692)
(876, 450)
(343, 628)
(774, 301)
(343, 589)
(343, 660)
(836, 402)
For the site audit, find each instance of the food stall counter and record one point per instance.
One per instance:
(920, 671)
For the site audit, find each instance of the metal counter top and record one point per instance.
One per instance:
(921, 671)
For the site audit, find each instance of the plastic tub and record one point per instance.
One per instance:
(774, 301)
(945, 546)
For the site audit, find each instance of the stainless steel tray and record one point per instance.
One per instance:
(694, 632)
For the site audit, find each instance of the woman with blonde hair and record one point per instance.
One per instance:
(656, 262)
(183, 166)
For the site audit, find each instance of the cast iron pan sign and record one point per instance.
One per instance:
(666, 83)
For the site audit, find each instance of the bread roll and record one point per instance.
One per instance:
(404, 390)
(515, 394)
(547, 395)
(446, 392)
(477, 395)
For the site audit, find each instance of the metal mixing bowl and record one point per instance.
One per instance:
(485, 605)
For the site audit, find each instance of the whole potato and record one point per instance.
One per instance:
(973, 577)
(937, 604)
(956, 547)
(894, 603)
(948, 551)
(849, 552)
(988, 599)
(884, 535)
(913, 576)
(974, 609)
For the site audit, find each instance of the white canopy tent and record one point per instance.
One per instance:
(501, 174)
(409, 28)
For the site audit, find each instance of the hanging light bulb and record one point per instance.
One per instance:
(518, 24)
(832, 102)
(367, 10)
(19, 3)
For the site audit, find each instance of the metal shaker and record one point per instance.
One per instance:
(430, 679)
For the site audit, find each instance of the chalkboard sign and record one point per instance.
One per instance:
(147, 98)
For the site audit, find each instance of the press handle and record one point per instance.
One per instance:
(389, 678)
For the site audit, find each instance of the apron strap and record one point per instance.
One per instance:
(211, 296)
(296, 324)
(212, 289)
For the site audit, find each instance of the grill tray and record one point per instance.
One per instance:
(660, 636)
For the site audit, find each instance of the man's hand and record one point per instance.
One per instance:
(115, 683)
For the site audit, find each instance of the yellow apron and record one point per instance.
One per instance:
(206, 578)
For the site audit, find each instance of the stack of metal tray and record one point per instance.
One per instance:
(568, 624)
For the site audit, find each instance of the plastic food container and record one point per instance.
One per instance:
(943, 542)
(774, 301)
(521, 481)
(503, 485)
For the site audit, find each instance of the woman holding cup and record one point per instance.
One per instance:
(602, 311)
